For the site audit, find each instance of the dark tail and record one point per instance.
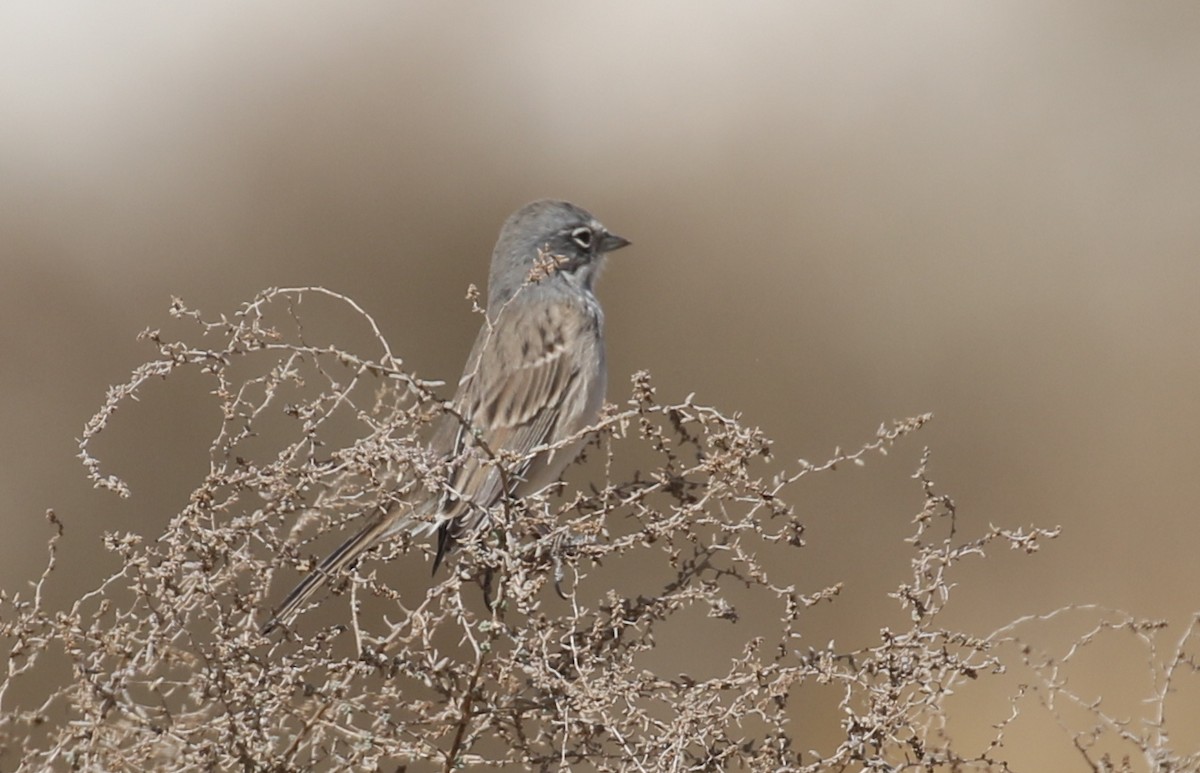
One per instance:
(333, 566)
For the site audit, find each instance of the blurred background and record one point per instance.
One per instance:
(841, 214)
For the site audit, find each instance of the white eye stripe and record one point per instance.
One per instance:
(583, 237)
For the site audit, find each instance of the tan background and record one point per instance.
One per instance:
(842, 214)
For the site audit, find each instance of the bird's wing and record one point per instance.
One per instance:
(535, 383)
(526, 378)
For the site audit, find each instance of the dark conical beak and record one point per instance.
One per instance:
(612, 242)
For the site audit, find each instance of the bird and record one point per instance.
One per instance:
(536, 377)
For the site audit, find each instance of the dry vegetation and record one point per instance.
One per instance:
(163, 667)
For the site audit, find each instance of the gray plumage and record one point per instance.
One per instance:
(535, 377)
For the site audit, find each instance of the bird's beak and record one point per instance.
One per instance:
(612, 242)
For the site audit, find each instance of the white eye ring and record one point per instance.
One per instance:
(583, 237)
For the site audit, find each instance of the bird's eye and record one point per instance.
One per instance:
(583, 237)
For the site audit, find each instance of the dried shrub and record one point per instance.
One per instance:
(168, 670)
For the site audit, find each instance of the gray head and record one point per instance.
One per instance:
(556, 235)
